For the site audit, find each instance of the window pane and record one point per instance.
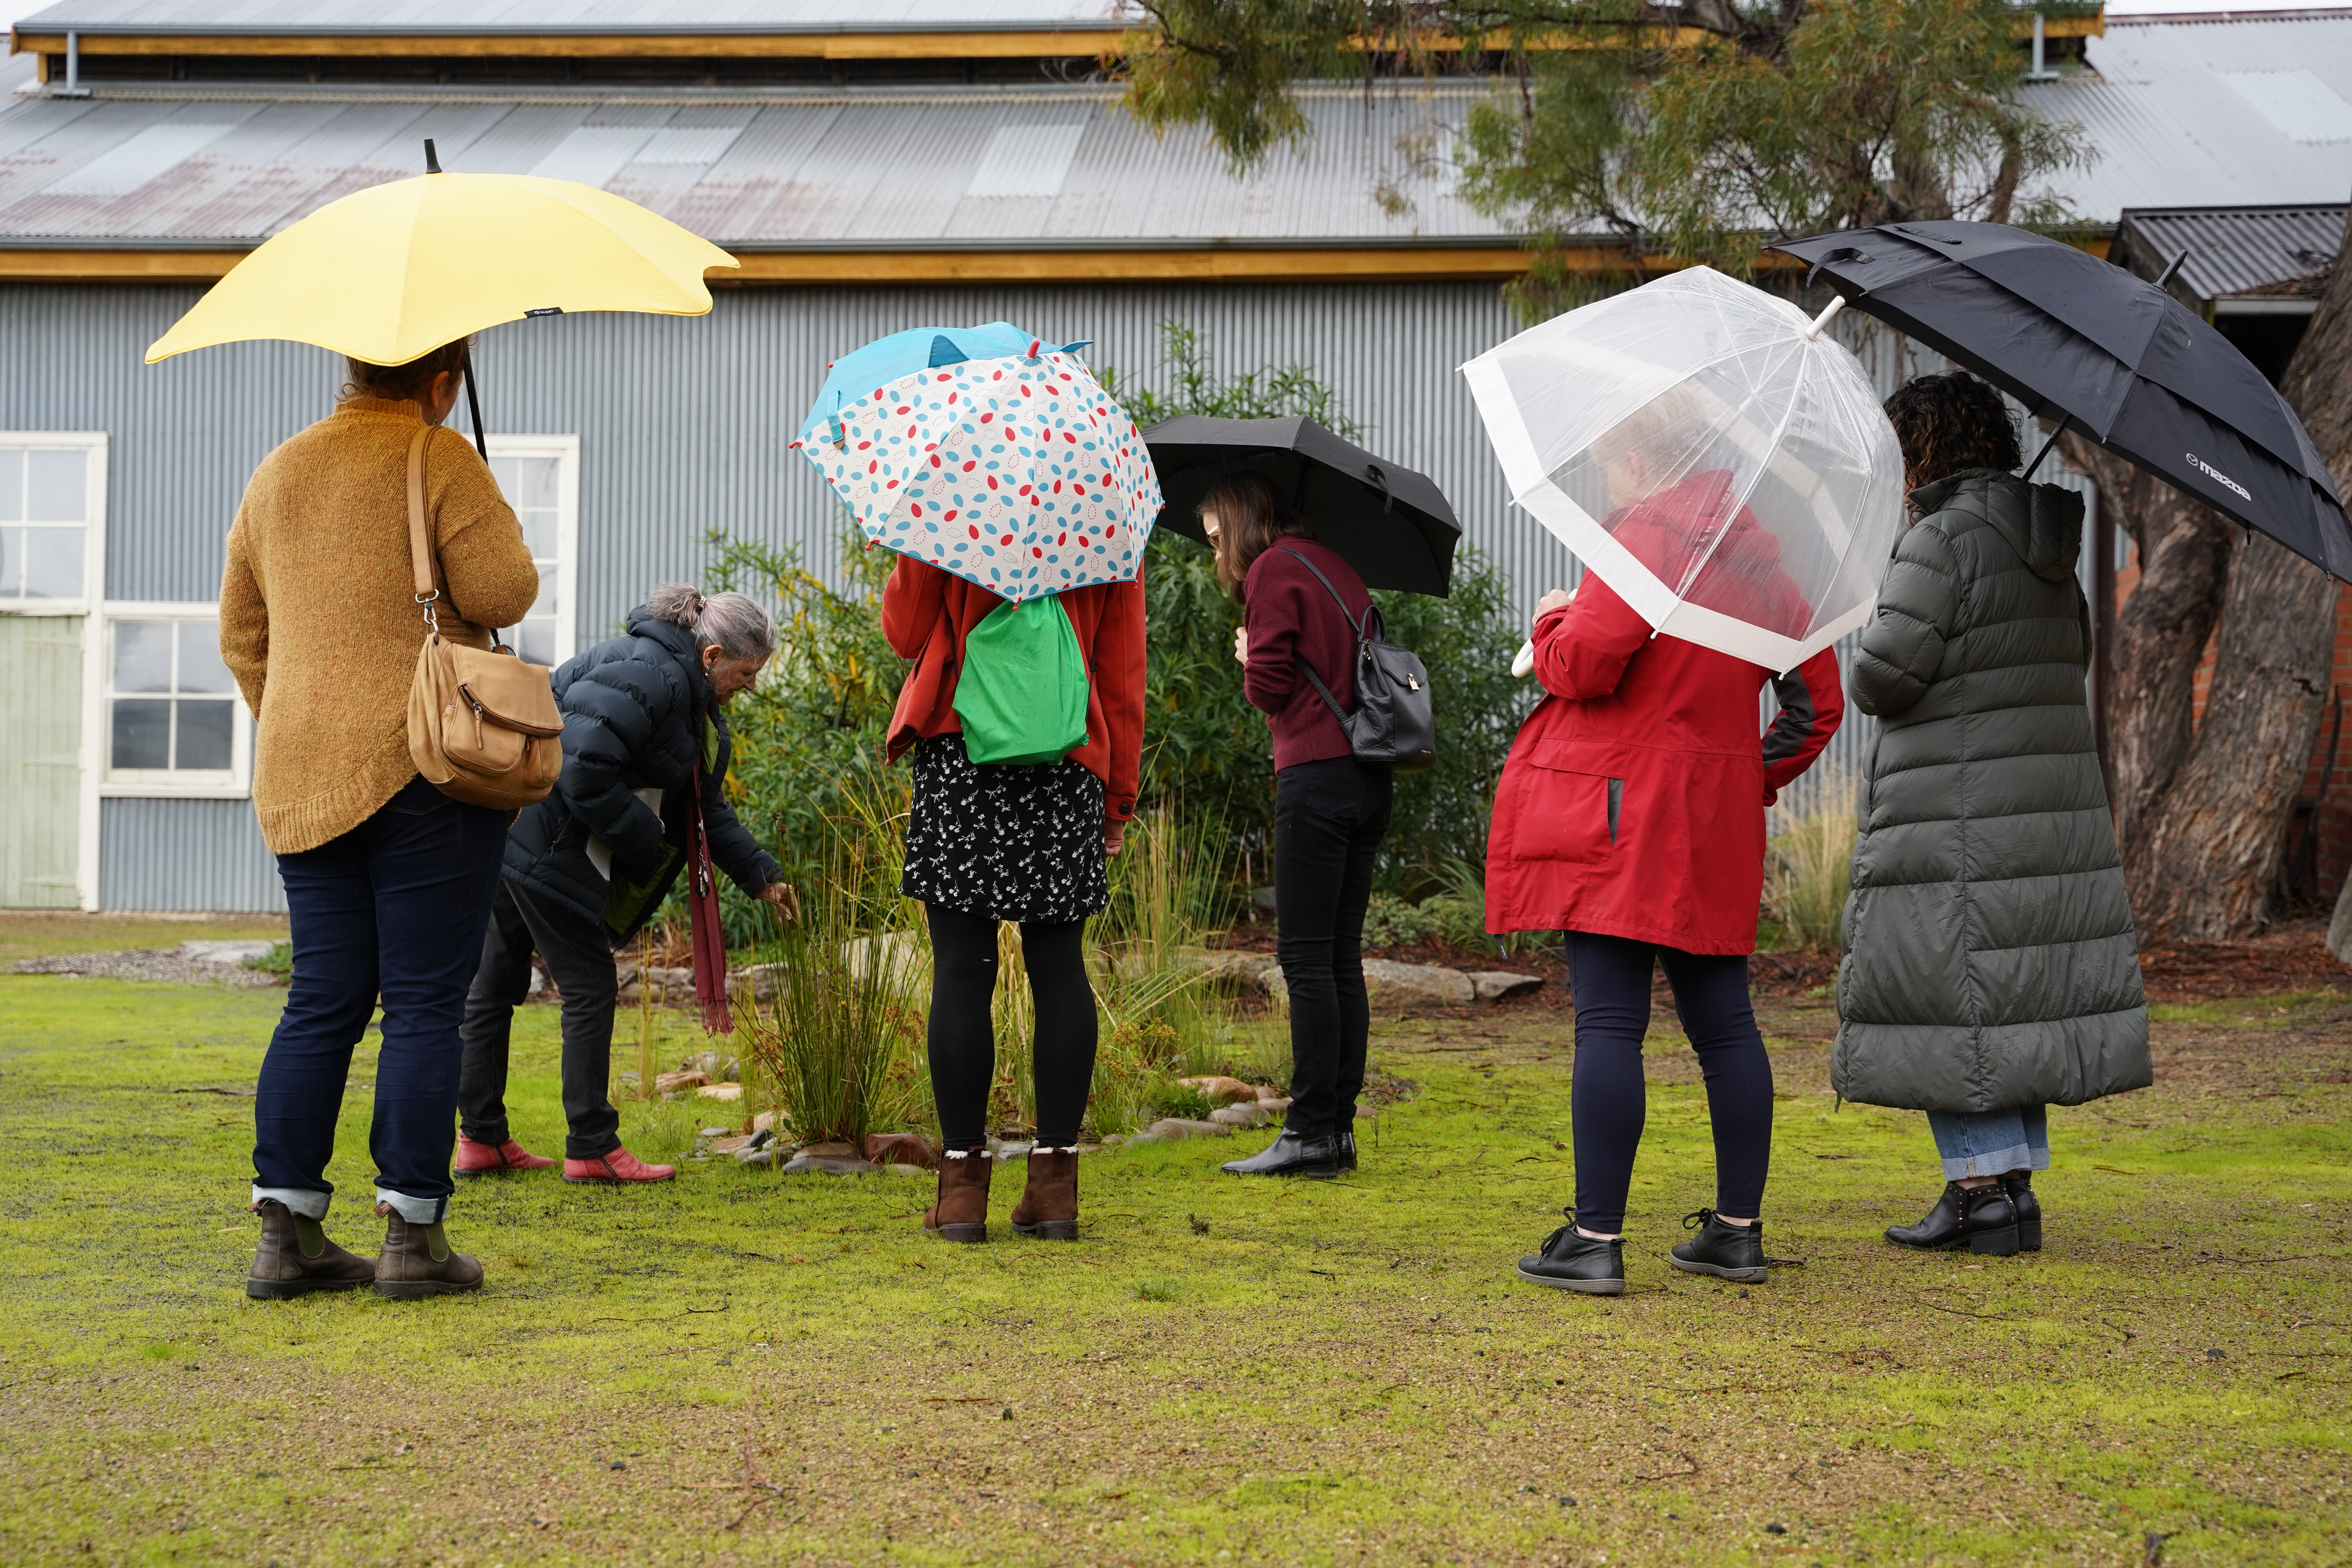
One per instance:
(538, 533)
(205, 735)
(53, 563)
(201, 668)
(12, 486)
(142, 734)
(55, 494)
(545, 604)
(535, 640)
(12, 563)
(536, 480)
(142, 656)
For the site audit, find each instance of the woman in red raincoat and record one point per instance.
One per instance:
(1630, 818)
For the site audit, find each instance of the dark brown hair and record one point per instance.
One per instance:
(1950, 422)
(1250, 518)
(405, 383)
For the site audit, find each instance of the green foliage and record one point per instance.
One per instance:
(1185, 1102)
(1609, 118)
(279, 960)
(1809, 870)
(1193, 386)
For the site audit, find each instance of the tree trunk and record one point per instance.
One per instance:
(2215, 841)
(2157, 639)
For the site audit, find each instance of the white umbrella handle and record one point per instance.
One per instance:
(1523, 663)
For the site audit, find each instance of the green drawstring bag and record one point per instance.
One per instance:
(1021, 694)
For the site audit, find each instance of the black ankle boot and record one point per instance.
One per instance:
(1975, 1219)
(1348, 1151)
(1573, 1262)
(1734, 1252)
(1316, 1159)
(2019, 1184)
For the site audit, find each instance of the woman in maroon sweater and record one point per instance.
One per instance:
(1331, 811)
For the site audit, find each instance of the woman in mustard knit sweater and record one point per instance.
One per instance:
(388, 881)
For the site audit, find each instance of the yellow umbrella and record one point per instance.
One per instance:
(389, 273)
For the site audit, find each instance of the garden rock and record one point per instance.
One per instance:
(1218, 1090)
(1275, 1105)
(672, 1082)
(1393, 984)
(901, 1149)
(899, 952)
(1501, 985)
(225, 952)
(1174, 1127)
(720, 1090)
(1250, 1115)
(808, 1160)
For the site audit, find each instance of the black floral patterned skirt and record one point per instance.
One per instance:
(1005, 843)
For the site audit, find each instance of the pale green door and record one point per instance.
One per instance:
(41, 751)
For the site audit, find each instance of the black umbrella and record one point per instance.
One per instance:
(2108, 354)
(1391, 524)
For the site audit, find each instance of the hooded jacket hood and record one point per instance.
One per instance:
(2042, 523)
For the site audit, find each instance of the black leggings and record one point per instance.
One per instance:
(1610, 981)
(964, 1036)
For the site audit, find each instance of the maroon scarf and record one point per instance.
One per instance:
(702, 918)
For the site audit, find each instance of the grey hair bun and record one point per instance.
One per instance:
(679, 603)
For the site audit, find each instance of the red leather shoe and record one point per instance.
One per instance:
(619, 1165)
(496, 1158)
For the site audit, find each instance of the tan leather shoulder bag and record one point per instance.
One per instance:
(482, 726)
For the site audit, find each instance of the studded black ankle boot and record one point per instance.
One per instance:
(1972, 1219)
(2020, 1186)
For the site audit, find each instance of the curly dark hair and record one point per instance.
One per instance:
(1950, 422)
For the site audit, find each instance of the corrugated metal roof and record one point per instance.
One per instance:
(852, 169)
(2174, 113)
(2236, 252)
(214, 17)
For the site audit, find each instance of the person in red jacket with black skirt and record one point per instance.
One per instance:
(1331, 811)
(991, 843)
(1629, 817)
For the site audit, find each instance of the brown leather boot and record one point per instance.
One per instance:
(295, 1258)
(417, 1261)
(1049, 1204)
(962, 1212)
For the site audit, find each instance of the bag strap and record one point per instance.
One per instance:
(1353, 624)
(420, 547)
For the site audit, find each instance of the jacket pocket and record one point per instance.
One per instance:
(1565, 816)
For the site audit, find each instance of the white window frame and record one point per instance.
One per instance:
(93, 548)
(565, 450)
(106, 783)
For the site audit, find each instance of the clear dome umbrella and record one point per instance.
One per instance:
(1705, 448)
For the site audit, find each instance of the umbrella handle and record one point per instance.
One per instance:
(1523, 663)
(1837, 303)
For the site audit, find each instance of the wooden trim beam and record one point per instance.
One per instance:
(1432, 264)
(595, 46)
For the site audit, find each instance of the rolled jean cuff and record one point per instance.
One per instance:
(415, 1211)
(1999, 1162)
(307, 1202)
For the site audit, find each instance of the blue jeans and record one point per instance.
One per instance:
(1991, 1143)
(395, 907)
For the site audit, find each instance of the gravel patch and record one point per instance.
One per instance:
(161, 964)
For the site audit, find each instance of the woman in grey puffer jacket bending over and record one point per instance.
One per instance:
(1991, 969)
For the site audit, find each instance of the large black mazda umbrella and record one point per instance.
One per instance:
(2109, 355)
(1392, 524)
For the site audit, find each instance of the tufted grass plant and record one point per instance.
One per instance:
(1810, 863)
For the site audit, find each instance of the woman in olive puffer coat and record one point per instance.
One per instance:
(1991, 969)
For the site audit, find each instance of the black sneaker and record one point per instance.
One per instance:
(1965, 1219)
(2019, 1187)
(1316, 1159)
(1734, 1252)
(1573, 1262)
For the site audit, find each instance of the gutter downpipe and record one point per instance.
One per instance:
(2040, 71)
(73, 88)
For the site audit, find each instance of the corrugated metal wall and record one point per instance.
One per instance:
(185, 855)
(684, 425)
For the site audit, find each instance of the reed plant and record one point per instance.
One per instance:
(1809, 867)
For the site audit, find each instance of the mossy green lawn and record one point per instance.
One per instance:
(1220, 1371)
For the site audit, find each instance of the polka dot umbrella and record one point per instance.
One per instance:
(1020, 474)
